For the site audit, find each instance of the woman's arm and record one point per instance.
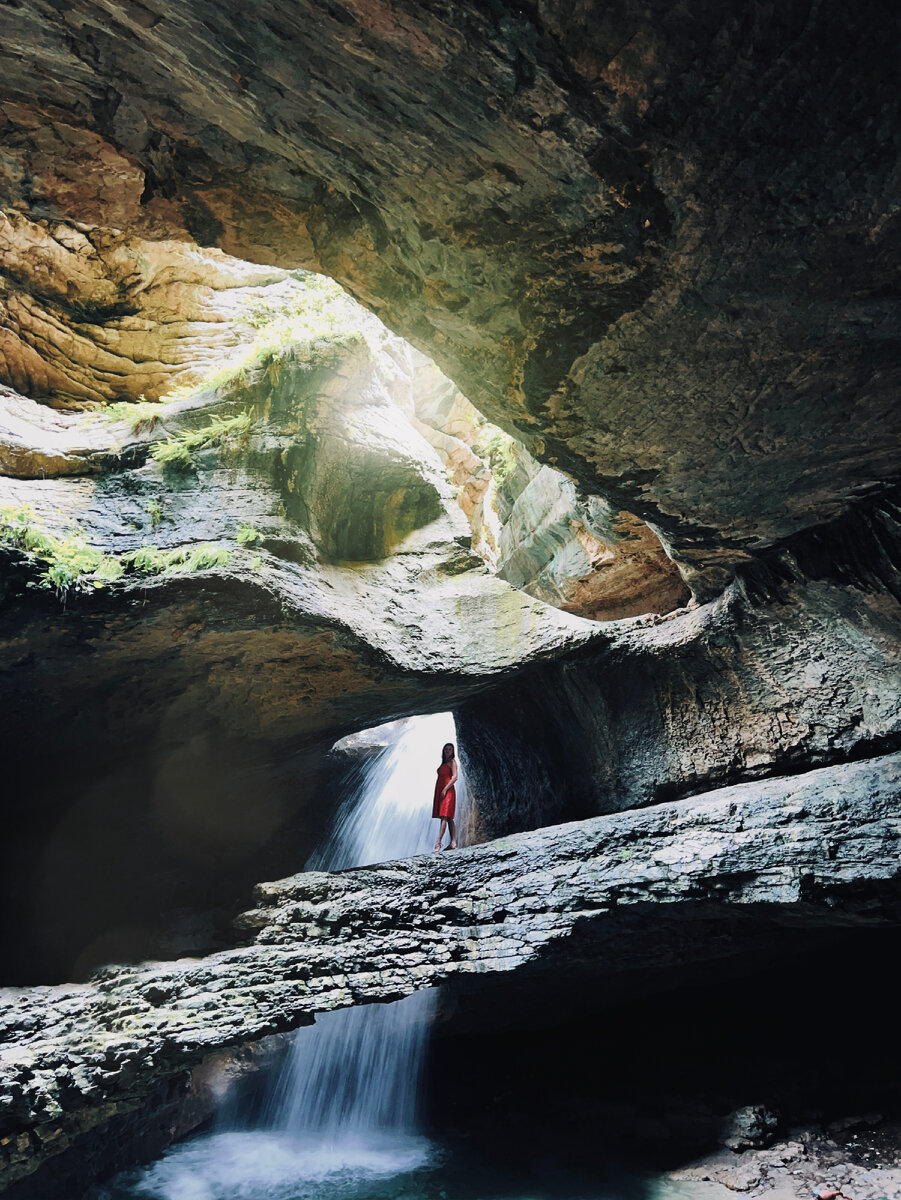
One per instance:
(453, 779)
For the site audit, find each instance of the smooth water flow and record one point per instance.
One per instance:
(353, 1078)
(344, 1108)
(389, 814)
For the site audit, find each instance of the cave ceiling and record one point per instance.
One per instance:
(655, 242)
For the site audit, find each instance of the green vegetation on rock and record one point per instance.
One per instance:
(68, 562)
(71, 563)
(175, 453)
(496, 449)
(142, 415)
(248, 535)
(321, 308)
(315, 324)
(151, 560)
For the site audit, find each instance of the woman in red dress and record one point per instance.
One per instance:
(444, 805)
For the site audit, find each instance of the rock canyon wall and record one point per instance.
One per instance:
(655, 246)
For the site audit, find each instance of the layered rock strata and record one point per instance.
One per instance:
(529, 523)
(91, 315)
(280, 645)
(578, 554)
(796, 664)
(301, 572)
(658, 244)
(691, 881)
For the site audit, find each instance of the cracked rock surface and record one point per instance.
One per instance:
(820, 849)
(659, 244)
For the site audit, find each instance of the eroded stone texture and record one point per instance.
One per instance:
(731, 866)
(580, 554)
(185, 718)
(798, 664)
(90, 315)
(530, 524)
(658, 243)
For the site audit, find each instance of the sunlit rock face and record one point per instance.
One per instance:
(90, 315)
(657, 243)
(581, 555)
(185, 714)
(529, 523)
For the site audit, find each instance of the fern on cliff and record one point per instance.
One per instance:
(67, 562)
(71, 563)
(176, 453)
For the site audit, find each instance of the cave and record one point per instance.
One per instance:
(377, 377)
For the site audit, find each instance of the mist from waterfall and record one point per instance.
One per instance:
(345, 1104)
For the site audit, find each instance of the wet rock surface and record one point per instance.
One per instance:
(216, 693)
(657, 244)
(606, 897)
(865, 1163)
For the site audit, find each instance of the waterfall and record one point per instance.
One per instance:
(352, 1079)
(388, 814)
(345, 1103)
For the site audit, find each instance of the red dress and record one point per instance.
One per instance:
(446, 805)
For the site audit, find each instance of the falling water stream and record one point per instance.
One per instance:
(344, 1108)
(341, 1120)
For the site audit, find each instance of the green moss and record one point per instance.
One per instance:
(175, 453)
(68, 562)
(151, 560)
(321, 308)
(72, 563)
(154, 510)
(248, 535)
(142, 415)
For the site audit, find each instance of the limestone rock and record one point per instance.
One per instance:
(89, 315)
(656, 244)
(334, 589)
(579, 555)
(737, 865)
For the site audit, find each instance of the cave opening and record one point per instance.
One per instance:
(760, 1072)
(151, 851)
(527, 521)
(640, 535)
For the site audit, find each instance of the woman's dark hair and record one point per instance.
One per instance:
(452, 752)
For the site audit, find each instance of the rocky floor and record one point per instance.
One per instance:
(861, 1155)
(600, 903)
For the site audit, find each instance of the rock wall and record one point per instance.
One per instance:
(581, 554)
(797, 664)
(91, 315)
(181, 717)
(656, 244)
(610, 900)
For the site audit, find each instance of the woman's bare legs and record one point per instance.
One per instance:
(453, 834)
(441, 830)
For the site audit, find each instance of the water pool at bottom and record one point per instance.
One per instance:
(257, 1165)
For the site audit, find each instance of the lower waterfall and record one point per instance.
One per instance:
(345, 1106)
